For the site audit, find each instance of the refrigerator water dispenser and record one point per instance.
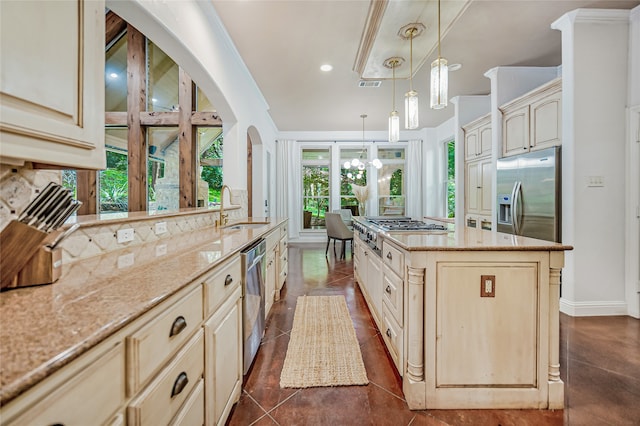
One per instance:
(504, 209)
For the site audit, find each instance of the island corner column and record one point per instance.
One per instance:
(556, 386)
(414, 384)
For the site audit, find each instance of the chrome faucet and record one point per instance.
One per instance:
(224, 218)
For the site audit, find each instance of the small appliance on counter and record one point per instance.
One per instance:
(29, 246)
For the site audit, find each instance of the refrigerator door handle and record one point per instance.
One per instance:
(515, 200)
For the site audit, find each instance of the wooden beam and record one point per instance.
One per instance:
(187, 139)
(114, 26)
(87, 184)
(136, 102)
(210, 119)
(158, 119)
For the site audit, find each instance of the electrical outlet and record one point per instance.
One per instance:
(125, 235)
(595, 181)
(488, 286)
(161, 228)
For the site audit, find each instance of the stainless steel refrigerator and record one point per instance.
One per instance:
(529, 198)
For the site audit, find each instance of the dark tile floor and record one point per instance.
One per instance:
(600, 367)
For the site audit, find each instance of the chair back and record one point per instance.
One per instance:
(336, 227)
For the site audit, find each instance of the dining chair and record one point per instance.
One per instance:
(337, 230)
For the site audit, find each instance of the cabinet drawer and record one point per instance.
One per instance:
(283, 246)
(393, 258)
(219, 285)
(393, 337)
(273, 239)
(160, 401)
(149, 347)
(284, 230)
(192, 413)
(392, 294)
(92, 396)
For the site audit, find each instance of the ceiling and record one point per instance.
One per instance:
(284, 43)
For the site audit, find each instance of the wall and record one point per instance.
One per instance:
(594, 96)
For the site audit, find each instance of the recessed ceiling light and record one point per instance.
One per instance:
(113, 75)
(154, 100)
(326, 67)
(455, 67)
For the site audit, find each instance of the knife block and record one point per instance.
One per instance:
(19, 244)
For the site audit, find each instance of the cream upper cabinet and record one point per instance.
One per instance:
(533, 121)
(52, 83)
(477, 138)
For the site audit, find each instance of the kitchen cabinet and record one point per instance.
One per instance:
(157, 369)
(368, 272)
(478, 181)
(283, 263)
(223, 358)
(533, 121)
(477, 138)
(393, 303)
(272, 271)
(52, 83)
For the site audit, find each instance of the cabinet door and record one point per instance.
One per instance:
(52, 82)
(486, 179)
(515, 131)
(484, 137)
(223, 360)
(546, 122)
(472, 187)
(374, 274)
(471, 144)
(271, 272)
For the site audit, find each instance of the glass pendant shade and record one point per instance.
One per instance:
(394, 127)
(439, 83)
(411, 110)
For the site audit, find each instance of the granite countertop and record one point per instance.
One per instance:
(468, 239)
(46, 327)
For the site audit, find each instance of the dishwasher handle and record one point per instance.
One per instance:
(256, 260)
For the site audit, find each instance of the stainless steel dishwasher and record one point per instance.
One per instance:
(253, 270)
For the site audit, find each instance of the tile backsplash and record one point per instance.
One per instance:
(18, 186)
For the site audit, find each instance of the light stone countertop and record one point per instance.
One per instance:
(44, 328)
(469, 239)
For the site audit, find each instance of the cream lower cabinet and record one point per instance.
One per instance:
(368, 272)
(179, 363)
(392, 330)
(283, 262)
(52, 83)
(223, 359)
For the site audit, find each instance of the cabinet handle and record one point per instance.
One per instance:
(388, 289)
(228, 280)
(389, 332)
(366, 253)
(389, 256)
(178, 325)
(525, 148)
(179, 384)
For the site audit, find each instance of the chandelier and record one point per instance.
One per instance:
(361, 162)
(411, 97)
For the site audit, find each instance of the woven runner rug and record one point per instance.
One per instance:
(323, 348)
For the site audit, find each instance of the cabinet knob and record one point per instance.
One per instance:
(388, 289)
(525, 148)
(389, 255)
(179, 384)
(178, 325)
(389, 332)
(228, 280)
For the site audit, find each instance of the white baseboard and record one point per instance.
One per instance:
(593, 309)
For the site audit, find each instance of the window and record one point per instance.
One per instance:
(315, 186)
(349, 177)
(113, 182)
(210, 181)
(450, 202)
(391, 181)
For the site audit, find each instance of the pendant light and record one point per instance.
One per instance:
(394, 119)
(411, 97)
(439, 76)
(361, 162)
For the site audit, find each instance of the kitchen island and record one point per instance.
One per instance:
(469, 317)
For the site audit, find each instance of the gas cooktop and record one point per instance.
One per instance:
(403, 224)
